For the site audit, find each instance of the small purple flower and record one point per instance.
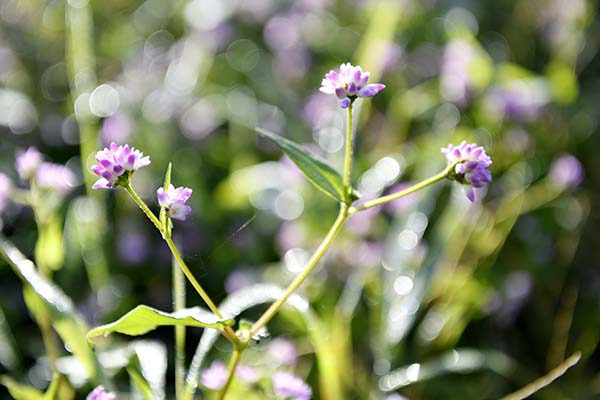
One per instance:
(566, 171)
(115, 162)
(283, 351)
(291, 387)
(215, 376)
(5, 186)
(27, 162)
(173, 200)
(100, 394)
(55, 177)
(349, 83)
(471, 165)
(246, 373)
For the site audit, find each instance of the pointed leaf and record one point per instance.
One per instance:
(143, 319)
(21, 391)
(316, 170)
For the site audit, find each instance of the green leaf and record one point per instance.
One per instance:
(316, 170)
(20, 391)
(49, 300)
(143, 319)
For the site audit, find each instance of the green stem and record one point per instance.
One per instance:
(144, 207)
(325, 244)
(229, 333)
(348, 155)
(178, 304)
(394, 196)
(233, 362)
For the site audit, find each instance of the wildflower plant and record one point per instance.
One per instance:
(468, 164)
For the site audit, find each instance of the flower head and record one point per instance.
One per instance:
(246, 373)
(349, 83)
(173, 200)
(471, 165)
(54, 176)
(215, 376)
(100, 394)
(283, 351)
(115, 162)
(566, 171)
(27, 162)
(291, 387)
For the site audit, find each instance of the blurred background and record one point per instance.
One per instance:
(429, 297)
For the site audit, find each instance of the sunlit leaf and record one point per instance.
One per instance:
(143, 319)
(317, 171)
(69, 325)
(20, 391)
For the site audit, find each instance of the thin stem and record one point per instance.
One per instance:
(394, 196)
(325, 244)
(178, 304)
(233, 362)
(348, 155)
(545, 380)
(229, 333)
(144, 207)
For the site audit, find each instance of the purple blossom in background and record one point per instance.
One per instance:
(455, 83)
(27, 162)
(349, 83)
(239, 279)
(173, 200)
(291, 387)
(283, 351)
(114, 161)
(55, 177)
(522, 100)
(246, 373)
(5, 185)
(566, 171)
(100, 394)
(471, 166)
(215, 376)
(116, 128)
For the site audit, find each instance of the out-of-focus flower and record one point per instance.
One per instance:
(117, 161)
(471, 165)
(522, 100)
(100, 394)
(349, 83)
(5, 185)
(173, 200)
(455, 84)
(283, 351)
(215, 376)
(27, 162)
(246, 373)
(54, 177)
(239, 279)
(291, 387)
(566, 171)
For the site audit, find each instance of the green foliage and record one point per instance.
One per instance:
(20, 391)
(143, 319)
(317, 171)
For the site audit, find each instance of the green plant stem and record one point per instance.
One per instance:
(325, 244)
(178, 304)
(144, 207)
(394, 196)
(229, 333)
(349, 145)
(233, 363)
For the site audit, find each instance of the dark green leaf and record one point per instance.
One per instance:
(143, 319)
(316, 170)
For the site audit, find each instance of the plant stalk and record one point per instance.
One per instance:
(349, 145)
(233, 363)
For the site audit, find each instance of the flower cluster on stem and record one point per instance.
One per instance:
(349, 83)
(471, 165)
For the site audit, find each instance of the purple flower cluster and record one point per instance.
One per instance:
(27, 162)
(291, 387)
(566, 172)
(215, 376)
(349, 83)
(173, 200)
(100, 394)
(115, 162)
(471, 165)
